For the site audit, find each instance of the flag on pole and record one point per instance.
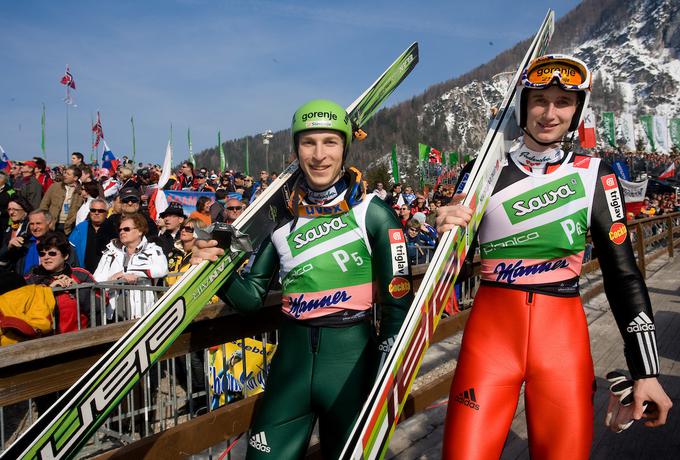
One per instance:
(247, 170)
(609, 126)
(109, 160)
(669, 172)
(134, 144)
(98, 132)
(628, 131)
(42, 137)
(648, 124)
(223, 161)
(68, 81)
(586, 130)
(453, 158)
(675, 132)
(5, 164)
(427, 154)
(160, 201)
(191, 152)
(395, 164)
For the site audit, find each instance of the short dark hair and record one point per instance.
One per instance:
(189, 164)
(23, 202)
(85, 168)
(221, 194)
(55, 240)
(40, 163)
(79, 155)
(76, 171)
(92, 189)
(140, 222)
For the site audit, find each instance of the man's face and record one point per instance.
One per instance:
(27, 171)
(379, 186)
(397, 189)
(37, 225)
(186, 170)
(264, 175)
(130, 205)
(549, 114)
(69, 177)
(404, 211)
(173, 222)
(409, 190)
(320, 155)
(233, 209)
(97, 213)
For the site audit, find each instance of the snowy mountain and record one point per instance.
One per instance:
(632, 47)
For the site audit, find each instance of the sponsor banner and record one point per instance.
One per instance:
(633, 192)
(307, 305)
(399, 287)
(614, 200)
(399, 256)
(223, 384)
(621, 169)
(618, 233)
(545, 198)
(186, 198)
(628, 131)
(609, 128)
(319, 230)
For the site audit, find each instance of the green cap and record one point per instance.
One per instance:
(322, 114)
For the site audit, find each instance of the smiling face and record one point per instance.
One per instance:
(38, 224)
(52, 260)
(320, 154)
(549, 114)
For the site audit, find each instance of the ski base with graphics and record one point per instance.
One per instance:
(73, 419)
(380, 414)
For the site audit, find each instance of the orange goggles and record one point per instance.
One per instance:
(570, 74)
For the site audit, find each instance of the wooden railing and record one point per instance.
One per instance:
(42, 366)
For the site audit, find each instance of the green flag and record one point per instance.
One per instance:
(648, 123)
(609, 127)
(191, 152)
(424, 153)
(674, 128)
(453, 158)
(247, 170)
(466, 158)
(42, 139)
(223, 161)
(395, 164)
(134, 144)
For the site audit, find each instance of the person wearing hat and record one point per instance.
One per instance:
(130, 204)
(27, 185)
(173, 216)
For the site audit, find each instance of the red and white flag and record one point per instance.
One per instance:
(669, 172)
(67, 79)
(586, 130)
(98, 132)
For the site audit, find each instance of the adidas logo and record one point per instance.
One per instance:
(386, 345)
(259, 442)
(467, 398)
(641, 323)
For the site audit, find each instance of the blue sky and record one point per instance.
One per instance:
(238, 66)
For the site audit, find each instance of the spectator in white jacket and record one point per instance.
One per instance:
(133, 260)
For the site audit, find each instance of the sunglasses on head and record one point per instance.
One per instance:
(98, 211)
(126, 229)
(188, 229)
(51, 253)
(234, 208)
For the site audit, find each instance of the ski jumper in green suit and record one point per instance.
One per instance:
(333, 269)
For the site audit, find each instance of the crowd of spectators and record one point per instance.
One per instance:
(82, 223)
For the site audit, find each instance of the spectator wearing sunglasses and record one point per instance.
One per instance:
(87, 237)
(55, 271)
(130, 204)
(131, 259)
(232, 210)
(184, 246)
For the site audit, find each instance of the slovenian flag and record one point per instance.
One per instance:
(5, 164)
(109, 160)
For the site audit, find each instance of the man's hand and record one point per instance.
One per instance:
(205, 250)
(650, 390)
(16, 242)
(453, 214)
